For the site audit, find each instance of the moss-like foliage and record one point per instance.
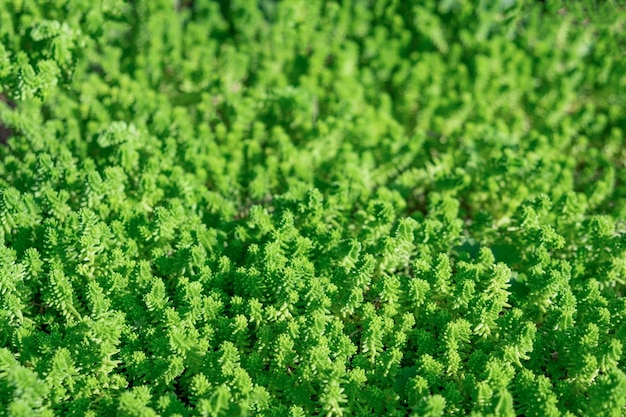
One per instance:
(320, 208)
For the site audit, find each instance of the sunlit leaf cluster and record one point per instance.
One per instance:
(320, 208)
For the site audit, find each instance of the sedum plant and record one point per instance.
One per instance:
(314, 208)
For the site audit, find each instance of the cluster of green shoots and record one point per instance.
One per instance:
(321, 208)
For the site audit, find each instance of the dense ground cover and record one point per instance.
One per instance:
(312, 208)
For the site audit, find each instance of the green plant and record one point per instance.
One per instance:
(312, 208)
